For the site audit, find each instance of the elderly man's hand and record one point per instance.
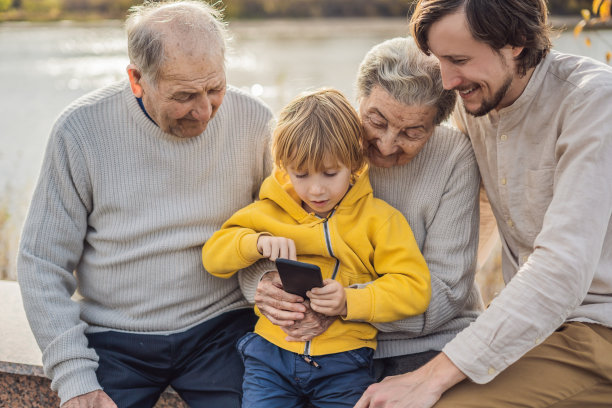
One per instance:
(281, 308)
(94, 399)
(309, 327)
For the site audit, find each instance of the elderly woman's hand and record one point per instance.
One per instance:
(281, 308)
(309, 327)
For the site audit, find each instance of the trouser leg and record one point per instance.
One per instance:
(270, 378)
(384, 367)
(210, 370)
(132, 368)
(341, 379)
(572, 368)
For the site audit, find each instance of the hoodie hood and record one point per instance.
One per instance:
(278, 188)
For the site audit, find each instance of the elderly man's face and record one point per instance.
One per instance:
(394, 133)
(189, 92)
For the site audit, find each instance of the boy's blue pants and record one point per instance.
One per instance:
(275, 377)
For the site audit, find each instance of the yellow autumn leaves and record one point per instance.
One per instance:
(599, 13)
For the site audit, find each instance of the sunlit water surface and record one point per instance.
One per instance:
(43, 67)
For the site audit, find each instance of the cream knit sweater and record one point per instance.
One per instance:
(128, 207)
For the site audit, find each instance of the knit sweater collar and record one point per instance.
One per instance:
(143, 120)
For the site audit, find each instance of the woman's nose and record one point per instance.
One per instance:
(386, 144)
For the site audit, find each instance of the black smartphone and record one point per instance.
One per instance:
(298, 277)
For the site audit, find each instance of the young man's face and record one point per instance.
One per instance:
(484, 78)
(320, 191)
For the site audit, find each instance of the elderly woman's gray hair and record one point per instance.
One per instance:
(194, 22)
(407, 74)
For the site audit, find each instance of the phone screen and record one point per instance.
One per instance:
(298, 277)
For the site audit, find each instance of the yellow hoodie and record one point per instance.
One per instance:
(363, 240)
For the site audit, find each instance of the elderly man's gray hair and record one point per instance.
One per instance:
(150, 23)
(407, 74)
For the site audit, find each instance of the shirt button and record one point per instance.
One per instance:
(503, 181)
(491, 371)
(538, 340)
(503, 138)
(510, 223)
(525, 257)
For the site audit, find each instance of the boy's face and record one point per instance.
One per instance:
(321, 191)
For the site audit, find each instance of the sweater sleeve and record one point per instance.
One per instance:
(450, 249)
(249, 277)
(51, 245)
(403, 288)
(233, 247)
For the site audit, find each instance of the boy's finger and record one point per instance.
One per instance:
(292, 251)
(265, 251)
(283, 250)
(325, 290)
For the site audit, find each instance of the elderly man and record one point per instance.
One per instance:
(135, 178)
(538, 122)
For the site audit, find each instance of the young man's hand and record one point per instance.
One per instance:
(329, 300)
(276, 247)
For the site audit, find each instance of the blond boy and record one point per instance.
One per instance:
(318, 207)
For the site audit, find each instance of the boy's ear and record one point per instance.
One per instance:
(135, 80)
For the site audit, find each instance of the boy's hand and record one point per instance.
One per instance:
(329, 300)
(276, 247)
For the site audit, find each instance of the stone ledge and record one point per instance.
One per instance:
(22, 379)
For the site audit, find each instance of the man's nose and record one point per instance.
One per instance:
(202, 110)
(450, 77)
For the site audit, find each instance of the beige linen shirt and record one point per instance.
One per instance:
(546, 164)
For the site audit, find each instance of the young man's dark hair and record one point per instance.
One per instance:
(520, 23)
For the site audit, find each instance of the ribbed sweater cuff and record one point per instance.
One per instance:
(249, 278)
(73, 378)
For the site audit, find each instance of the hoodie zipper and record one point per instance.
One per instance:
(306, 356)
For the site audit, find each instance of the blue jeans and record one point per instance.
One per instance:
(201, 364)
(274, 377)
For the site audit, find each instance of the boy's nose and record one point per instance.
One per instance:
(316, 189)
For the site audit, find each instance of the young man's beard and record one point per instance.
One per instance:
(488, 105)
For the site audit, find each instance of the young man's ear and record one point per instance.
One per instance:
(135, 80)
(516, 51)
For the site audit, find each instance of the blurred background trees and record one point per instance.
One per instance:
(237, 9)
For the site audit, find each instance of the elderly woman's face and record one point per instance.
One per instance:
(394, 133)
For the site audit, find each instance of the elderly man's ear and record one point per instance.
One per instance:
(135, 80)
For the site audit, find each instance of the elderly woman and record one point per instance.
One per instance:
(429, 173)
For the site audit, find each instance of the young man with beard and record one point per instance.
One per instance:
(538, 122)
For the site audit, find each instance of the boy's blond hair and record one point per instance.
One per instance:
(316, 126)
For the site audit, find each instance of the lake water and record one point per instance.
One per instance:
(43, 67)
